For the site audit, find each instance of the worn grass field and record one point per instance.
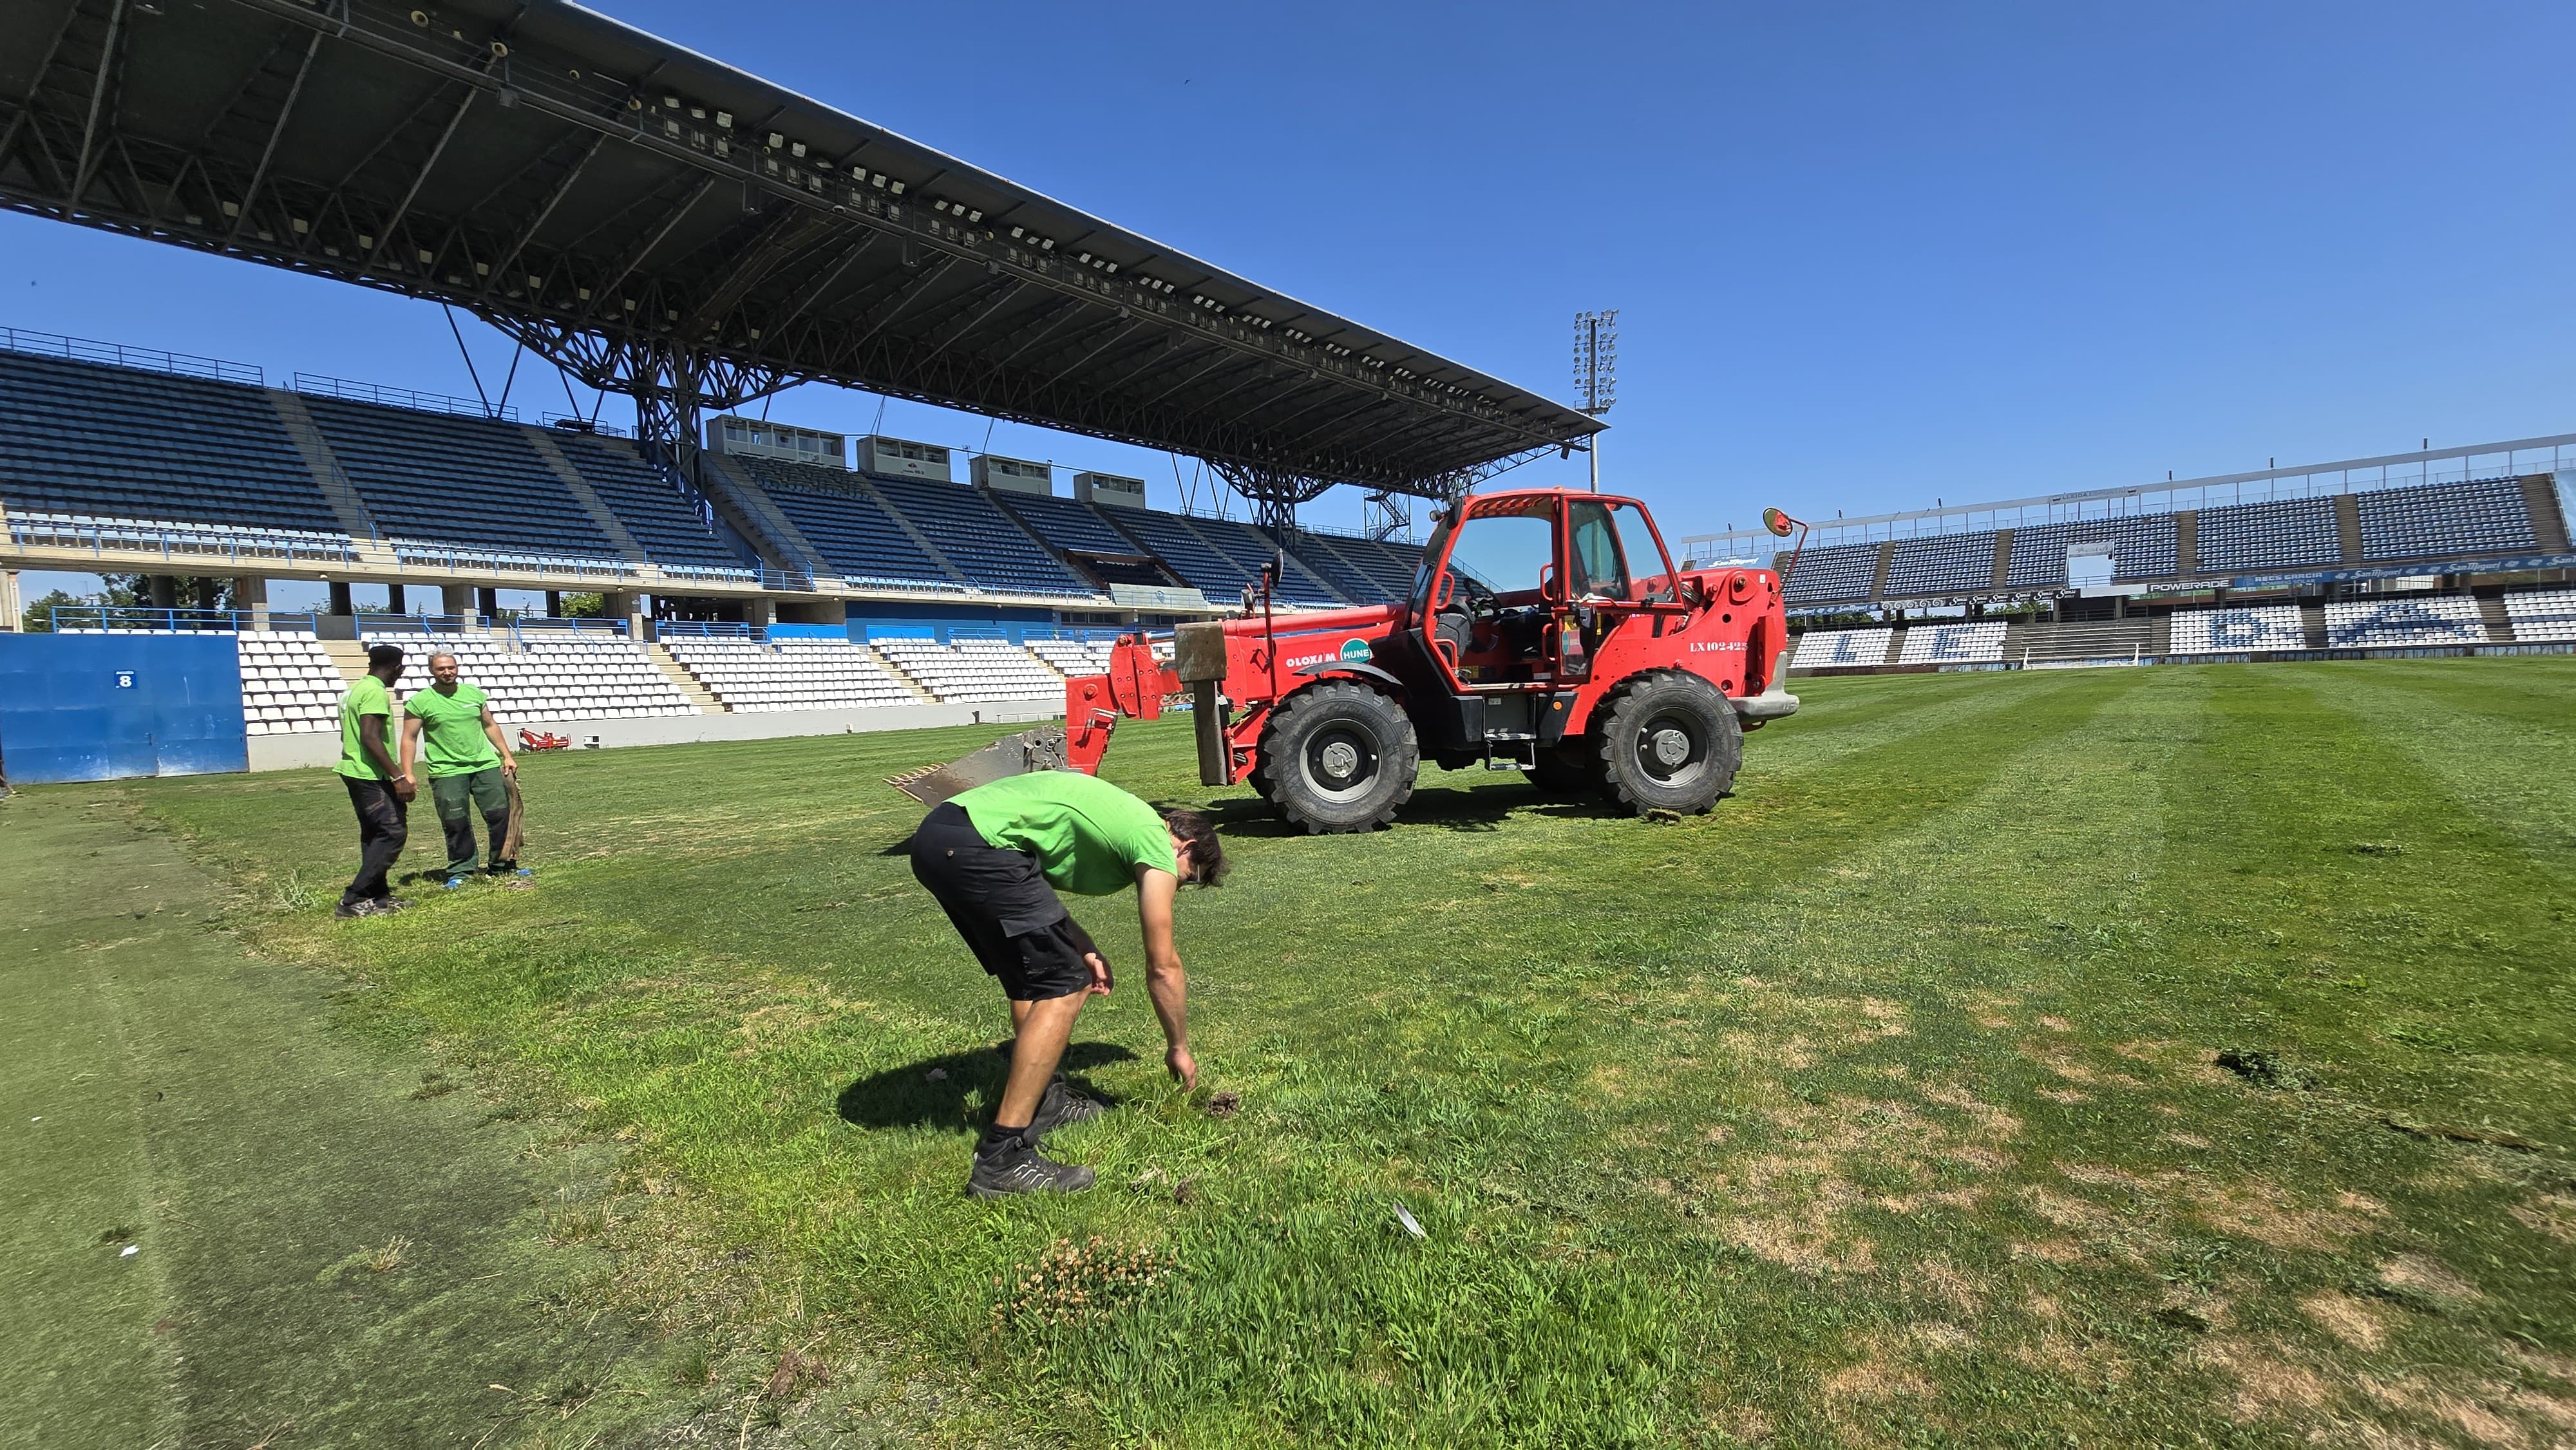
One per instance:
(1877, 1108)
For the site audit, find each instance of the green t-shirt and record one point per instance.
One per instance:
(366, 697)
(1088, 835)
(452, 741)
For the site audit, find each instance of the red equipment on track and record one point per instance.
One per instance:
(1549, 632)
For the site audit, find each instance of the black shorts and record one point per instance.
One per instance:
(1001, 904)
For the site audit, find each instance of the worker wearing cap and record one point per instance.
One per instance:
(450, 724)
(994, 858)
(380, 791)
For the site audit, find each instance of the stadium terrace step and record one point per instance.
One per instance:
(687, 683)
(2043, 642)
(887, 664)
(327, 473)
(600, 514)
(2499, 623)
(2347, 513)
(2548, 520)
(757, 517)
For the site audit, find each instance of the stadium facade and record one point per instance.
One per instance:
(2455, 550)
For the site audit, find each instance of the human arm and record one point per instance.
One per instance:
(1165, 982)
(500, 742)
(371, 740)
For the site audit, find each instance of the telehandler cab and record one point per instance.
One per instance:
(1547, 631)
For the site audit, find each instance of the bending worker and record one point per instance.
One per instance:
(992, 857)
(470, 764)
(379, 790)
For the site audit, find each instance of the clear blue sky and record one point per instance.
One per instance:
(1866, 255)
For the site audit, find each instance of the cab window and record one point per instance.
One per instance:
(1498, 559)
(1648, 580)
(1598, 567)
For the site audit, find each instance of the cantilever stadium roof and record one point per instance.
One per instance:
(563, 173)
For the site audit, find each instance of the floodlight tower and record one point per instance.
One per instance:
(1596, 373)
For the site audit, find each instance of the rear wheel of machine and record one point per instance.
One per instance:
(1568, 770)
(1339, 757)
(1669, 742)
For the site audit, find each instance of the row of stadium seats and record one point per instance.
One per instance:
(128, 452)
(2486, 516)
(549, 678)
(125, 446)
(289, 683)
(2534, 617)
(747, 676)
(972, 671)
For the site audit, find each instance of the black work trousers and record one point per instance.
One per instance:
(383, 827)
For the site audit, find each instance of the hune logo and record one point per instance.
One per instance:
(1355, 651)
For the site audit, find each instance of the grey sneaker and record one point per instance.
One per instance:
(348, 910)
(1014, 1166)
(1064, 1104)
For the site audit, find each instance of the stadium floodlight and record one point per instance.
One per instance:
(1596, 373)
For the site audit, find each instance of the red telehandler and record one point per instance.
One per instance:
(1547, 631)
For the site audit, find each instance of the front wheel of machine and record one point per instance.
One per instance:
(1669, 742)
(1339, 757)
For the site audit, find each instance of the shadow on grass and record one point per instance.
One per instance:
(1447, 807)
(932, 1093)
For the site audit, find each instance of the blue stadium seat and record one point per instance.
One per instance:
(1945, 564)
(1181, 551)
(2481, 517)
(1836, 574)
(1068, 523)
(2143, 546)
(456, 482)
(986, 546)
(648, 502)
(120, 443)
(1248, 548)
(856, 536)
(2285, 533)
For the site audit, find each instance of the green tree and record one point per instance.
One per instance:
(39, 618)
(585, 606)
(134, 591)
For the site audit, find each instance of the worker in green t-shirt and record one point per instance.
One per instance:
(450, 725)
(994, 857)
(379, 790)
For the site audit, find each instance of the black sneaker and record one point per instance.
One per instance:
(1014, 1166)
(1064, 1104)
(350, 910)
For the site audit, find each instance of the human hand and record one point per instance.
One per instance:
(510, 768)
(1101, 979)
(405, 788)
(1183, 1067)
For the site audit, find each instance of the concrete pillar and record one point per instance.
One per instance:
(489, 602)
(554, 604)
(458, 600)
(12, 607)
(394, 602)
(165, 591)
(250, 596)
(341, 603)
(759, 613)
(626, 605)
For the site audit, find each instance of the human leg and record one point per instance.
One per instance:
(382, 831)
(1045, 1027)
(492, 799)
(452, 795)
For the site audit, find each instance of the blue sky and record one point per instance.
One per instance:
(1866, 255)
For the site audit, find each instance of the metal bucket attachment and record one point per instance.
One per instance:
(1039, 749)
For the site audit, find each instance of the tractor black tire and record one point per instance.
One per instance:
(1668, 741)
(1570, 771)
(1339, 757)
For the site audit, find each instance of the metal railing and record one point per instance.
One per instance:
(101, 537)
(117, 354)
(527, 625)
(556, 420)
(350, 390)
(2476, 462)
(440, 556)
(102, 618)
(704, 629)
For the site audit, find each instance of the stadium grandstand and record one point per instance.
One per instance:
(2445, 551)
(661, 226)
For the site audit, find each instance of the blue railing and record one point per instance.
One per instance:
(117, 354)
(89, 618)
(526, 625)
(101, 537)
(703, 629)
(419, 402)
